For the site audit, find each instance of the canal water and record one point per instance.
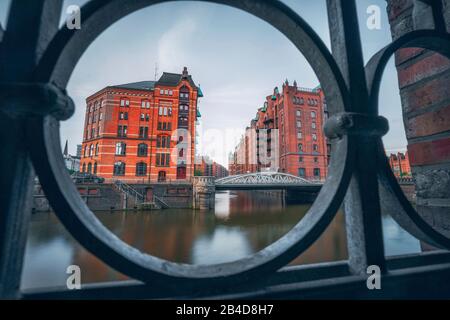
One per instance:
(243, 222)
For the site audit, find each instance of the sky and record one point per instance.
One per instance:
(236, 58)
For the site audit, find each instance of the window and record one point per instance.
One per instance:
(299, 124)
(161, 91)
(315, 147)
(96, 149)
(89, 168)
(141, 169)
(95, 168)
(142, 117)
(314, 136)
(143, 132)
(121, 149)
(184, 93)
(147, 117)
(161, 176)
(170, 93)
(299, 135)
(122, 131)
(100, 116)
(163, 159)
(299, 113)
(142, 150)
(316, 160)
(302, 101)
(163, 142)
(300, 159)
(85, 151)
(316, 172)
(181, 153)
(124, 102)
(184, 108)
(123, 115)
(301, 172)
(183, 122)
(145, 104)
(300, 147)
(313, 114)
(91, 150)
(84, 168)
(166, 92)
(165, 126)
(119, 168)
(313, 125)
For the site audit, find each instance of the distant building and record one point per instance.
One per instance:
(72, 162)
(286, 135)
(400, 164)
(204, 166)
(79, 151)
(142, 132)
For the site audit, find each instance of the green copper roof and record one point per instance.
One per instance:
(274, 97)
(199, 115)
(264, 109)
(200, 93)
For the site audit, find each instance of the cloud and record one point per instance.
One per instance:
(172, 44)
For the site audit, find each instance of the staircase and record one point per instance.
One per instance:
(157, 203)
(129, 191)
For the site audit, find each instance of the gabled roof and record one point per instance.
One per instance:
(173, 79)
(141, 85)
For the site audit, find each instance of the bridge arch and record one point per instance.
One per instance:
(258, 178)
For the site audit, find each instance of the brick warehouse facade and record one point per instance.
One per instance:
(142, 132)
(424, 80)
(286, 135)
(400, 164)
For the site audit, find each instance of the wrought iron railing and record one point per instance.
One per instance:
(129, 191)
(33, 99)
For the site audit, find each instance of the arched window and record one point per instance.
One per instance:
(95, 168)
(85, 151)
(184, 93)
(119, 168)
(96, 149)
(300, 147)
(89, 168)
(121, 148)
(181, 153)
(313, 114)
(142, 150)
(84, 168)
(141, 169)
(91, 150)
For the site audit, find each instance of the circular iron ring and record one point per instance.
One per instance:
(57, 66)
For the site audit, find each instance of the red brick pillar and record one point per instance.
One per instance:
(424, 79)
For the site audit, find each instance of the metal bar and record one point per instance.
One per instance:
(30, 27)
(361, 205)
(298, 278)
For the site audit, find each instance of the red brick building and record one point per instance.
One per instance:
(142, 132)
(286, 135)
(204, 166)
(400, 164)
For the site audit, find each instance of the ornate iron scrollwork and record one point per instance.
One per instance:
(349, 132)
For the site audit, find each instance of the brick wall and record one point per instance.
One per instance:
(424, 80)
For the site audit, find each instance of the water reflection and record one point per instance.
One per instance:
(242, 223)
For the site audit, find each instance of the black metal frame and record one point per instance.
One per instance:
(35, 67)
